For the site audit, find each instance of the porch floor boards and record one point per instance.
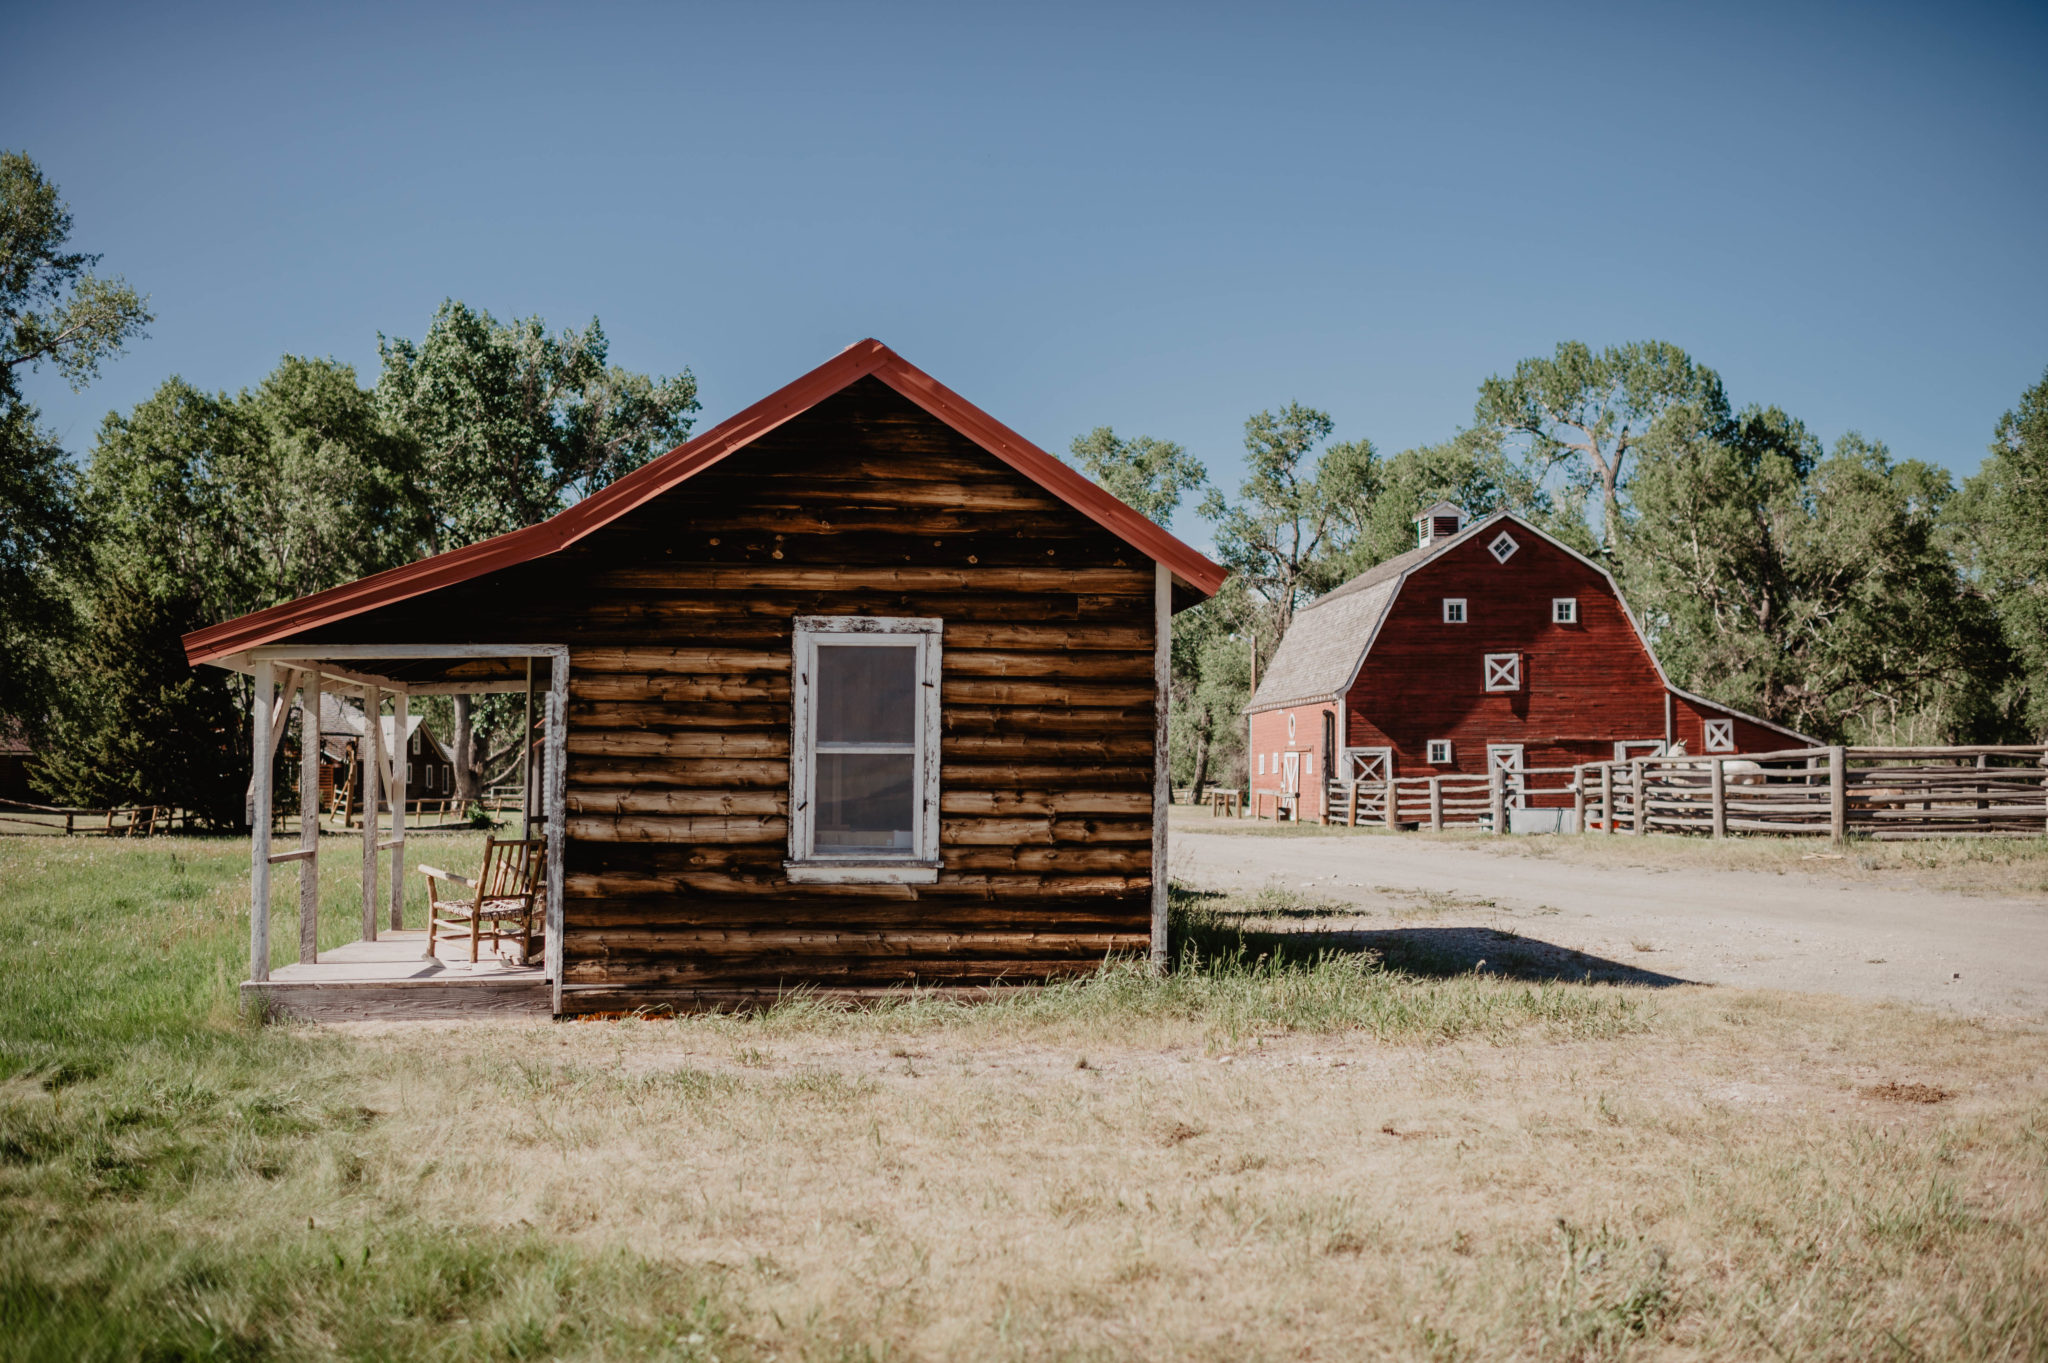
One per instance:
(390, 979)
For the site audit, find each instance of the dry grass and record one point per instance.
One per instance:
(1245, 1161)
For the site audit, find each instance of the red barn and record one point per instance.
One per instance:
(1490, 644)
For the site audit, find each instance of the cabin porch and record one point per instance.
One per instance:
(389, 971)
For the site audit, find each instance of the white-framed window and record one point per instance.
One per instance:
(1440, 752)
(1503, 672)
(1262, 764)
(1720, 735)
(1564, 610)
(1454, 610)
(1290, 726)
(415, 741)
(1276, 759)
(864, 750)
(1503, 547)
(1308, 764)
(408, 775)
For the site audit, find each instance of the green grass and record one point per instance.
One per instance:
(170, 1172)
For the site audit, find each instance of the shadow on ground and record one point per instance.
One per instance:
(1438, 952)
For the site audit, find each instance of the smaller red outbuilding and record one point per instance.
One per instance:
(1489, 644)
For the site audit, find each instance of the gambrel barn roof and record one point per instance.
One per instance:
(1195, 576)
(1327, 645)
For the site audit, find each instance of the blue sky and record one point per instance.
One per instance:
(1161, 218)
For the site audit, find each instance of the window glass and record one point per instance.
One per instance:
(866, 694)
(865, 800)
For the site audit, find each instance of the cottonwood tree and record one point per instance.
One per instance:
(1296, 511)
(1815, 591)
(53, 311)
(1578, 415)
(199, 507)
(512, 424)
(2003, 522)
(1150, 476)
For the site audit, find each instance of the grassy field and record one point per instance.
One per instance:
(1251, 1158)
(1971, 865)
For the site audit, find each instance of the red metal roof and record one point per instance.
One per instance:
(864, 358)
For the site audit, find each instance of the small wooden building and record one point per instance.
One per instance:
(1489, 644)
(858, 689)
(430, 766)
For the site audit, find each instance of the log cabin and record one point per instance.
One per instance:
(857, 690)
(1489, 645)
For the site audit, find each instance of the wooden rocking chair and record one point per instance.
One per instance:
(503, 903)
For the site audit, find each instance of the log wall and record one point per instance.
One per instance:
(678, 618)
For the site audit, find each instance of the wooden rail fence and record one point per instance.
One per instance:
(1834, 792)
(129, 821)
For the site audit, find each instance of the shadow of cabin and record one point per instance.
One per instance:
(858, 690)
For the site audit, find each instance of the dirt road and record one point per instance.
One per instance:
(1529, 915)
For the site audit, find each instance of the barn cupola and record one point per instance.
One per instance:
(1438, 522)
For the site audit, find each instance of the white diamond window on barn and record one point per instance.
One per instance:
(1503, 547)
(1503, 672)
(864, 744)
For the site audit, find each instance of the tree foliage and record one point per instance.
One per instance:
(1577, 416)
(514, 423)
(54, 311)
(1150, 476)
(2003, 536)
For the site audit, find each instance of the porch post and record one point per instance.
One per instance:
(400, 787)
(554, 769)
(526, 784)
(309, 815)
(259, 830)
(1162, 765)
(371, 745)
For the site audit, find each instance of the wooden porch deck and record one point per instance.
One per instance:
(389, 980)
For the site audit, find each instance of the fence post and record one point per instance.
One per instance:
(1579, 799)
(1497, 795)
(1436, 804)
(1606, 798)
(1719, 788)
(1838, 795)
(1393, 810)
(1640, 809)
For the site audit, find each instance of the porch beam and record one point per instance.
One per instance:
(322, 652)
(259, 831)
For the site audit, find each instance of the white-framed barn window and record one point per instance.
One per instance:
(1440, 752)
(1262, 764)
(1503, 672)
(1720, 736)
(1454, 610)
(864, 750)
(1290, 726)
(1308, 764)
(1564, 610)
(1503, 547)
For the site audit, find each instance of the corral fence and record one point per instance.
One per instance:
(131, 821)
(1885, 793)
(1892, 794)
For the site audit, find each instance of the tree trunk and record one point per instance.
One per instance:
(1201, 760)
(468, 769)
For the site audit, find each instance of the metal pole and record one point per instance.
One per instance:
(259, 831)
